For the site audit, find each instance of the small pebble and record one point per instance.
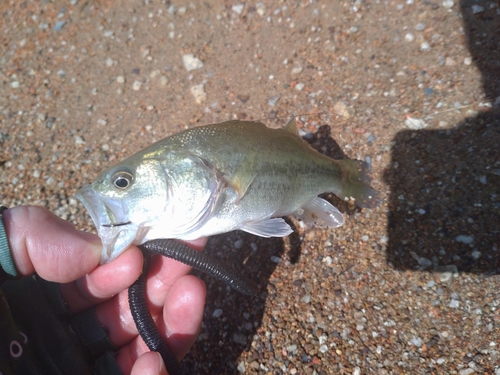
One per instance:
(466, 371)
(448, 4)
(261, 9)
(191, 62)
(446, 273)
(415, 123)
(14, 84)
(468, 61)
(297, 70)
(199, 94)
(353, 29)
(341, 109)
(136, 86)
(471, 113)
(449, 62)
(102, 122)
(420, 27)
(273, 100)
(299, 86)
(238, 244)
(79, 140)
(483, 179)
(323, 348)
(58, 26)
(476, 9)
(425, 46)
(241, 367)
(238, 8)
(409, 37)
(417, 341)
(240, 339)
(217, 313)
(424, 262)
(120, 79)
(476, 254)
(454, 303)
(464, 239)
(275, 259)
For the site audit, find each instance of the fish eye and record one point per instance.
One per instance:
(122, 179)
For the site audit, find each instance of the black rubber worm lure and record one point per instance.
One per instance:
(137, 292)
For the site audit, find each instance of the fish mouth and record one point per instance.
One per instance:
(109, 217)
(116, 225)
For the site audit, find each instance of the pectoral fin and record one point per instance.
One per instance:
(319, 212)
(276, 227)
(245, 173)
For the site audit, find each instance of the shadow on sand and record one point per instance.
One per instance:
(445, 197)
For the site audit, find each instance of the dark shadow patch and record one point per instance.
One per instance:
(223, 338)
(445, 201)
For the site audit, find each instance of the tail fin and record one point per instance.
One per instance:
(355, 184)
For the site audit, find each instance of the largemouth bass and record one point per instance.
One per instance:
(218, 178)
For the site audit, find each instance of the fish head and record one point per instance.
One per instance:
(123, 201)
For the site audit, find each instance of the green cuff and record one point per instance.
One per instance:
(6, 261)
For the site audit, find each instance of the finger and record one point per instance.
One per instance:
(109, 279)
(115, 314)
(180, 323)
(42, 242)
(104, 281)
(183, 313)
(149, 363)
(163, 273)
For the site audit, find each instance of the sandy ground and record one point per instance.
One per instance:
(411, 87)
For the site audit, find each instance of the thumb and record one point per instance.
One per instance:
(44, 243)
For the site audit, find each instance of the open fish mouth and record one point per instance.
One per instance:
(109, 217)
(91, 201)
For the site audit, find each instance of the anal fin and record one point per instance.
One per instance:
(275, 227)
(319, 212)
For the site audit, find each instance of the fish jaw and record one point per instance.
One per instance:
(105, 214)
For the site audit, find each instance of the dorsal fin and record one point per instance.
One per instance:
(292, 126)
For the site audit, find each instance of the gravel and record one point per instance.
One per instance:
(412, 87)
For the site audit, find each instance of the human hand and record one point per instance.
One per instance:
(43, 243)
